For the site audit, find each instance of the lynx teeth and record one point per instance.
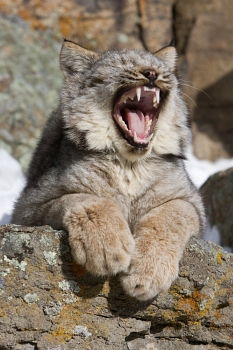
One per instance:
(121, 121)
(146, 88)
(148, 124)
(138, 92)
(157, 92)
(155, 101)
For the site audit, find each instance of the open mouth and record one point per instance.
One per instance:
(136, 112)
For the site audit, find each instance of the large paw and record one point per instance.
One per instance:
(102, 243)
(103, 257)
(149, 276)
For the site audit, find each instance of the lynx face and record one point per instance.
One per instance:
(125, 102)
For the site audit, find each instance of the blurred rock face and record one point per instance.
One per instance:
(205, 40)
(202, 29)
(217, 194)
(99, 24)
(29, 81)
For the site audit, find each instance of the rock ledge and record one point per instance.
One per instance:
(49, 303)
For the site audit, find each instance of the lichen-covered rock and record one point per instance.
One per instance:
(29, 83)
(217, 193)
(99, 24)
(49, 303)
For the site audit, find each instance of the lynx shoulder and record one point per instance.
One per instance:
(109, 168)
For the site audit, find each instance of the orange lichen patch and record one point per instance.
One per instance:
(188, 305)
(219, 257)
(66, 24)
(25, 14)
(65, 323)
(3, 6)
(197, 295)
(61, 334)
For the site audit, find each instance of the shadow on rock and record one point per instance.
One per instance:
(213, 137)
(121, 304)
(90, 286)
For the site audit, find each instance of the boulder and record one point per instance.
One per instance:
(29, 82)
(49, 303)
(217, 195)
(204, 34)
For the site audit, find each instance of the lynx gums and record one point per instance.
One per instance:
(109, 168)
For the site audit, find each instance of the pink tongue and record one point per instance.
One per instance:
(136, 122)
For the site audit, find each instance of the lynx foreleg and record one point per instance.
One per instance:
(99, 236)
(160, 238)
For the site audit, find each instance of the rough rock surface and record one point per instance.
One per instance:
(29, 83)
(49, 303)
(217, 194)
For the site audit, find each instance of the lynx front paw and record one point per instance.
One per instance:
(148, 276)
(103, 256)
(101, 240)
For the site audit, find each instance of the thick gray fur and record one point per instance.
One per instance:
(83, 159)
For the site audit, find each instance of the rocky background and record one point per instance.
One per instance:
(48, 303)
(31, 33)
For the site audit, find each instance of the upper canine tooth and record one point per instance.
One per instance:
(157, 91)
(138, 92)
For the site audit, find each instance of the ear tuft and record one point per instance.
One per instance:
(74, 58)
(169, 55)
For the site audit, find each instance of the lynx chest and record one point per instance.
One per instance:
(133, 180)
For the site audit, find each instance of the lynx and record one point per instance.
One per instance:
(109, 168)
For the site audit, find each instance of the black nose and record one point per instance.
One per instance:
(151, 75)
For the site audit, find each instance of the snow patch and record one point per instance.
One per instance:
(12, 182)
(199, 170)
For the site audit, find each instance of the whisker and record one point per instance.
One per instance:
(190, 98)
(195, 88)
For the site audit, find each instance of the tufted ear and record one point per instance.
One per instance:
(169, 55)
(74, 59)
